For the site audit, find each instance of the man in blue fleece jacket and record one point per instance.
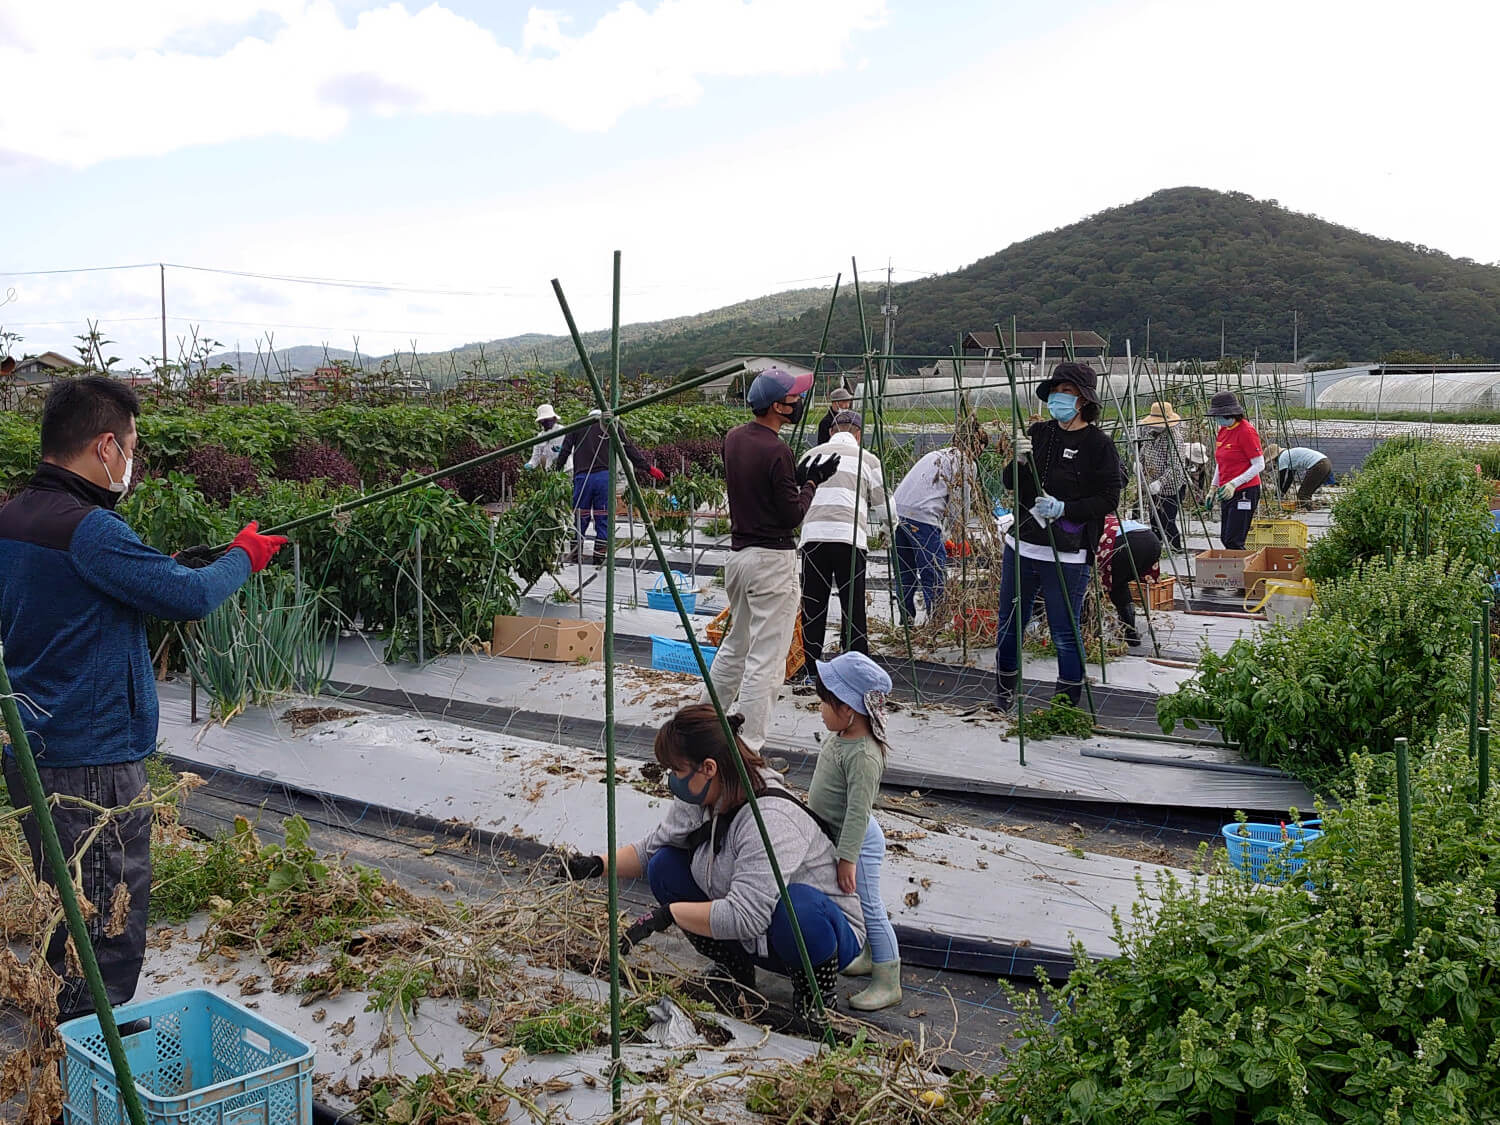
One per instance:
(76, 587)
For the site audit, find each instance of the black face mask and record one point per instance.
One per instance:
(796, 415)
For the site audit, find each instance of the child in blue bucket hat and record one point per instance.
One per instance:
(845, 781)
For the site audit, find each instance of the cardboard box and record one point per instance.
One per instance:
(1273, 562)
(548, 638)
(1221, 570)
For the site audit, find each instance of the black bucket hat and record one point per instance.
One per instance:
(1225, 404)
(1081, 375)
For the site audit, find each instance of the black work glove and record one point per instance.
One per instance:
(643, 927)
(817, 469)
(581, 866)
(196, 558)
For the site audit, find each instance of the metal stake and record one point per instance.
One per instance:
(1403, 813)
(421, 605)
(62, 878)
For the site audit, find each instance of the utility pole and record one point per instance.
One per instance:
(162, 267)
(1294, 337)
(889, 311)
(1221, 339)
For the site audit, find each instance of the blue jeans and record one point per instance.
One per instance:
(825, 930)
(923, 560)
(591, 500)
(879, 933)
(1041, 574)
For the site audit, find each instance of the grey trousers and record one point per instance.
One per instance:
(120, 854)
(764, 597)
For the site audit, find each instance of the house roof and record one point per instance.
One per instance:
(1056, 340)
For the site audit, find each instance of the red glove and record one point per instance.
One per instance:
(657, 475)
(259, 547)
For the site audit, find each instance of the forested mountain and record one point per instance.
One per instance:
(1184, 258)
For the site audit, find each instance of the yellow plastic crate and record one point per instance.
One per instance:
(1276, 533)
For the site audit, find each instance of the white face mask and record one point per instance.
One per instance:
(122, 485)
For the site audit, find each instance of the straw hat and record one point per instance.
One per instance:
(1271, 452)
(1161, 414)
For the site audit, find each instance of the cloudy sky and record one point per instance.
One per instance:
(462, 153)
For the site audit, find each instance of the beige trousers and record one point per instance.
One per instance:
(764, 597)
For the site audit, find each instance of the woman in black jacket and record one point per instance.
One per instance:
(1079, 471)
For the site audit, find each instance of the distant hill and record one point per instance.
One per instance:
(535, 350)
(1184, 258)
(303, 357)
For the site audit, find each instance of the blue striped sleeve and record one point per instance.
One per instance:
(111, 557)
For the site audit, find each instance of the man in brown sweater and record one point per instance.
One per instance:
(768, 496)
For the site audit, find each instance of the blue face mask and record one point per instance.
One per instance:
(1224, 423)
(682, 788)
(1063, 407)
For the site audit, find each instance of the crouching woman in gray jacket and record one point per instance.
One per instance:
(707, 865)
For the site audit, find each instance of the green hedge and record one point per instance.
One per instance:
(1411, 494)
(1233, 1003)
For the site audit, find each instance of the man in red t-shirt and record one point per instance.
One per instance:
(1238, 461)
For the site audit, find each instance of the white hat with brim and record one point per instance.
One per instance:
(545, 412)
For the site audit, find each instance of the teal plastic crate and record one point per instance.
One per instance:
(202, 1060)
(677, 656)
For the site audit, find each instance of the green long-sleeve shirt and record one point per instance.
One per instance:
(843, 789)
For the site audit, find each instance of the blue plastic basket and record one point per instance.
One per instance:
(660, 594)
(1251, 851)
(203, 1060)
(677, 656)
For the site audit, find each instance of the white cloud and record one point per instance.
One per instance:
(102, 79)
(1357, 110)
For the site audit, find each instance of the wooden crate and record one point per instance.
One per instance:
(716, 629)
(1162, 593)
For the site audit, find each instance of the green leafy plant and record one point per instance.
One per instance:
(1059, 719)
(1233, 1002)
(1385, 652)
(266, 642)
(577, 1025)
(1417, 496)
(188, 875)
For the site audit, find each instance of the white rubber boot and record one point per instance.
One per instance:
(860, 966)
(884, 990)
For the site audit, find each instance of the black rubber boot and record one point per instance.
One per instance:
(1072, 692)
(729, 983)
(804, 1007)
(1005, 690)
(600, 551)
(1127, 616)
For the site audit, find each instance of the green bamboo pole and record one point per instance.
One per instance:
(36, 797)
(876, 414)
(611, 780)
(1484, 762)
(798, 436)
(611, 425)
(1403, 814)
(1486, 685)
(1475, 640)
(963, 557)
(847, 624)
(1015, 530)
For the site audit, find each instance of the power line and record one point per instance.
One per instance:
(350, 283)
(79, 269)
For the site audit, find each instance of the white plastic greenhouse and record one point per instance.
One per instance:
(1376, 389)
